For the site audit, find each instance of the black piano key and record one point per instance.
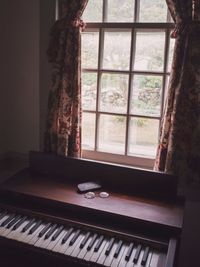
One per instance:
(85, 240)
(112, 240)
(57, 233)
(74, 238)
(50, 231)
(137, 254)
(3, 214)
(145, 256)
(119, 246)
(29, 224)
(35, 227)
(44, 230)
(14, 221)
(99, 243)
(67, 235)
(129, 252)
(110, 257)
(19, 223)
(92, 242)
(120, 260)
(4, 223)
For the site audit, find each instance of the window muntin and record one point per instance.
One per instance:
(125, 69)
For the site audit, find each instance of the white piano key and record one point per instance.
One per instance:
(83, 251)
(53, 243)
(58, 244)
(89, 253)
(42, 242)
(103, 256)
(16, 233)
(96, 254)
(138, 264)
(7, 231)
(70, 249)
(35, 237)
(115, 261)
(61, 248)
(3, 228)
(130, 262)
(27, 237)
(22, 235)
(4, 218)
(14, 222)
(149, 259)
(109, 258)
(154, 259)
(122, 261)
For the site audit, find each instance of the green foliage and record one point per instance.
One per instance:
(153, 11)
(141, 122)
(150, 82)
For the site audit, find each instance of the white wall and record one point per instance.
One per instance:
(24, 72)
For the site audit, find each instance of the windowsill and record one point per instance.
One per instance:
(138, 162)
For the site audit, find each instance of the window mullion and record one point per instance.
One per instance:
(137, 10)
(100, 59)
(105, 10)
(166, 56)
(125, 25)
(132, 54)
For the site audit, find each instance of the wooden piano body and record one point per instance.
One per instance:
(142, 210)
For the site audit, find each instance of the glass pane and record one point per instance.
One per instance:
(143, 137)
(88, 131)
(149, 53)
(146, 95)
(89, 52)
(89, 91)
(116, 54)
(114, 93)
(112, 134)
(153, 11)
(93, 11)
(120, 11)
(171, 51)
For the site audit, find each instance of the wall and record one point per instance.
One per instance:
(24, 73)
(3, 92)
(47, 18)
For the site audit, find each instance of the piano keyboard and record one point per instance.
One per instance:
(89, 246)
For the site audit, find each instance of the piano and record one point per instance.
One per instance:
(44, 221)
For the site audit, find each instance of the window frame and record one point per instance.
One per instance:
(125, 159)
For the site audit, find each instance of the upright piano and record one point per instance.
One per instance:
(45, 221)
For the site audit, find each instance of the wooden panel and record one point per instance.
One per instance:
(121, 178)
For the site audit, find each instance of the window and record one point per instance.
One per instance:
(126, 59)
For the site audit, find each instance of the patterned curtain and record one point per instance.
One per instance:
(63, 133)
(179, 147)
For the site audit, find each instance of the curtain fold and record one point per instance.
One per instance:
(63, 132)
(179, 147)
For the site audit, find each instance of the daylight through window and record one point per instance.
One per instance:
(126, 59)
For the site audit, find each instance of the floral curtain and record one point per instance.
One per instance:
(63, 133)
(179, 147)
